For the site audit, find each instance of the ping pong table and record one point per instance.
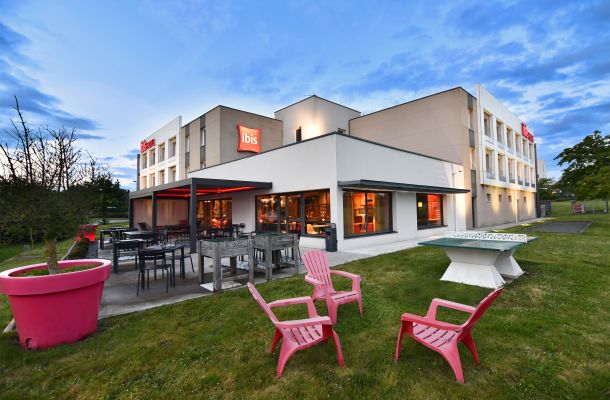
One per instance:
(480, 258)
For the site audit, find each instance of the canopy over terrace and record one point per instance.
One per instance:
(185, 191)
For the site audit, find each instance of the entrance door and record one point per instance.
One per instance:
(290, 213)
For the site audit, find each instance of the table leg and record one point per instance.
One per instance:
(268, 263)
(473, 267)
(507, 265)
(102, 240)
(217, 274)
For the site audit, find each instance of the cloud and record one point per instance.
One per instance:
(44, 108)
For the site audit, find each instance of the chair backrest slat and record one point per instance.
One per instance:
(316, 263)
(262, 303)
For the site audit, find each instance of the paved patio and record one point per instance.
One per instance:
(120, 291)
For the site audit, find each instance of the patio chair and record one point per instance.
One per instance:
(319, 275)
(125, 248)
(189, 254)
(157, 260)
(297, 334)
(444, 337)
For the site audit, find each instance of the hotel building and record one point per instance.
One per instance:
(410, 171)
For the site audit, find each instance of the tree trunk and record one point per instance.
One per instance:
(607, 209)
(50, 252)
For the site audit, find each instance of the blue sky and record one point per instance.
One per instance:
(118, 70)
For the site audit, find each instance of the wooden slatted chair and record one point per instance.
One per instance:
(444, 337)
(319, 275)
(297, 334)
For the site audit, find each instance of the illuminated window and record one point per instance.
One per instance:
(215, 213)
(366, 213)
(429, 210)
(306, 213)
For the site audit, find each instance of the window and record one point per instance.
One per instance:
(499, 136)
(172, 147)
(215, 213)
(510, 199)
(172, 174)
(298, 135)
(511, 170)
(488, 197)
(366, 213)
(500, 198)
(517, 144)
(162, 152)
(510, 137)
(152, 157)
(202, 136)
(161, 177)
(470, 119)
(524, 200)
(429, 210)
(187, 144)
(487, 124)
(501, 167)
(306, 213)
(144, 161)
(152, 180)
(489, 164)
(143, 183)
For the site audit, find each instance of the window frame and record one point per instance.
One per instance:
(442, 224)
(366, 214)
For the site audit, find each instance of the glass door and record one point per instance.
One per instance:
(290, 211)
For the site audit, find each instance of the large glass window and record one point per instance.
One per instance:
(366, 213)
(429, 210)
(215, 213)
(304, 213)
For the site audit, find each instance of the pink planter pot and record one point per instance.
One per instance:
(55, 309)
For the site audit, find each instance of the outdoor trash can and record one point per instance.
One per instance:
(331, 237)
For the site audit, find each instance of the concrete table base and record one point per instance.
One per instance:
(476, 267)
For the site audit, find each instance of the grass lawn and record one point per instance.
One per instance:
(545, 337)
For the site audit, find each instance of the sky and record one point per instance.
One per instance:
(118, 70)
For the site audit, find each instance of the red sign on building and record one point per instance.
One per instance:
(144, 145)
(526, 133)
(249, 139)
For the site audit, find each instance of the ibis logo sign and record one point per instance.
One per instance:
(249, 139)
(144, 145)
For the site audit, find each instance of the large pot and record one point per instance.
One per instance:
(55, 309)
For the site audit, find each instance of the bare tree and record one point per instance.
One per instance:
(43, 183)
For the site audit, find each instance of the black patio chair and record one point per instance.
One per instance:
(156, 260)
(125, 249)
(187, 254)
(144, 226)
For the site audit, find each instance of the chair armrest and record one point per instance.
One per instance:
(447, 304)
(355, 279)
(297, 323)
(311, 309)
(312, 280)
(406, 317)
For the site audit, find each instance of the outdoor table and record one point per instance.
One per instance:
(109, 231)
(172, 248)
(220, 248)
(148, 236)
(273, 243)
(479, 258)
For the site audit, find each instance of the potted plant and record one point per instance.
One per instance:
(47, 188)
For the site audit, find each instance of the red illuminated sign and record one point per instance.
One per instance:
(526, 133)
(249, 139)
(144, 145)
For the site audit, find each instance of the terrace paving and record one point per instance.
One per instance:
(119, 296)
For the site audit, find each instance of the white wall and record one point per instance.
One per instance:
(316, 116)
(320, 163)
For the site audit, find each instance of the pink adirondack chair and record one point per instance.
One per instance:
(319, 275)
(444, 337)
(297, 334)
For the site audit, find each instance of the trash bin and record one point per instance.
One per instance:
(331, 237)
